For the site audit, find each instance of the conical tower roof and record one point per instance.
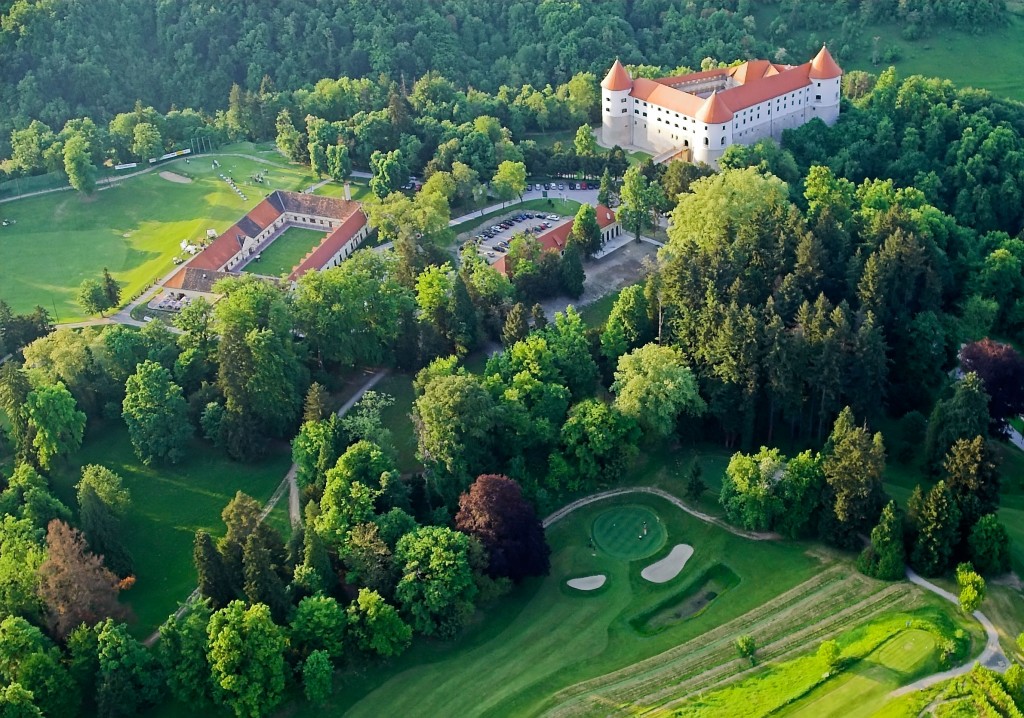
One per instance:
(617, 78)
(823, 67)
(714, 111)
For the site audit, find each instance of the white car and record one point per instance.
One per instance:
(553, 217)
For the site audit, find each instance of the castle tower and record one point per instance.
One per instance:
(616, 117)
(826, 77)
(714, 130)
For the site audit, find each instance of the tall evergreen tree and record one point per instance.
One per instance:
(885, 557)
(316, 405)
(973, 480)
(939, 533)
(262, 582)
(962, 416)
(516, 327)
(212, 577)
(854, 462)
(111, 289)
(571, 274)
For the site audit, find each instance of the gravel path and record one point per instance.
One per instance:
(992, 657)
(288, 485)
(674, 500)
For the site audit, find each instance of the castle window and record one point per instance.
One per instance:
(706, 142)
(723, 140)
(819, 84)
(817, 97)
(624, 110)
(623, 99)
(645, 114)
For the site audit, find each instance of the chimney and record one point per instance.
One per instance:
(348, 191)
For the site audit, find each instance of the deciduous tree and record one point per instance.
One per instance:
(155, 411)
(58, 424)
(376, 625)
(246, 656)
(437, 589)
(495, 511)
(103, 501)
(654, 386)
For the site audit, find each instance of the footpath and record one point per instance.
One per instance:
(288, 485)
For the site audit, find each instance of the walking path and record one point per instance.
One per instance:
(289, 485)
(992, 657)
(674, 500)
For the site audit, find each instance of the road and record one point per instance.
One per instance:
(583, 196)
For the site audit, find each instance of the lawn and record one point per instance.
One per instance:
(397, 417)
(133, 228)
(545, 637)
(169, 503)
(885, 653)
(285, 252)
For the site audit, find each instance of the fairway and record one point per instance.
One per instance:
(285, 252)
(629, 532)
(134, 228)
(169, 504)
(546, 637)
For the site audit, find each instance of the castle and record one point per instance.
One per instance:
(697, 116)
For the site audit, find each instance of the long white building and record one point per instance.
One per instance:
(701, 114)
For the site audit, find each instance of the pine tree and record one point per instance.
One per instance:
(884, 558)
(570, 270)
(963, 416)
(212, 578)
(539, 318)
(605, 188)
(515, 328)
(111, 289)
(973, 481)
(940, 527)
(262, 583)
(316, 404)
(695, 485)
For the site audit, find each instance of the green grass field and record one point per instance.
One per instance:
(397, 417)
(285, 252)
(133, 228)
(629, 532)
(545, 637)
(169, 503)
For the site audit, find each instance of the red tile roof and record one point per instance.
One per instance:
(758, 81)
(823, 67)
(714, 110)
(330, 245)
(668, 97)
(617, 78)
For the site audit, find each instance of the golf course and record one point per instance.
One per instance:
(135, 225)
(650, 648)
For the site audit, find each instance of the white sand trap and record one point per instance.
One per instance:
(587, 583)
(669, 567)
(175, 177)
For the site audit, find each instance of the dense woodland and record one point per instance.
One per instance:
(65, 59)
(807, 293)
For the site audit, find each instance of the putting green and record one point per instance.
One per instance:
(620, 532)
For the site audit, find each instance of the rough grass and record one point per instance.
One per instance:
(134, 228)
(285, 252)
(169, 504)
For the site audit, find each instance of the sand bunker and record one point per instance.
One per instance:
(587, 583)
(669, 567)
(175, 177)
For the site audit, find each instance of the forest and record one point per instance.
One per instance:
(65, 59)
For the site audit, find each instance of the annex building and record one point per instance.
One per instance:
(343, 222)
(697, 116)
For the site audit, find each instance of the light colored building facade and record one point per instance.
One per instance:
(699, 115)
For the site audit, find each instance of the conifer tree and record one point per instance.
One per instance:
(938, 537)
(212, 577)
(539, 318)
(570, 270)
(515, 328)
(605, 188)
(262, 583)
(111, 289)
(973, 481)
(315, 407)
(885, 557)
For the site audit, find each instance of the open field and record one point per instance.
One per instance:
(169, 504)
(134, 228)
(285, 252)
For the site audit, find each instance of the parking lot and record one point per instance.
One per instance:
(492, 241)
